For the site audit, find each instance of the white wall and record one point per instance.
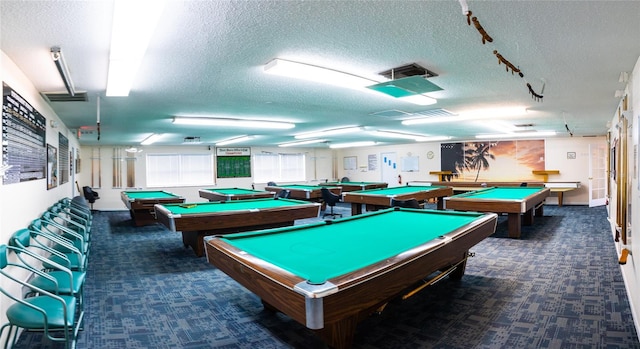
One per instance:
(630, 270)
(20, 203)
(556, 159)
(319, 168)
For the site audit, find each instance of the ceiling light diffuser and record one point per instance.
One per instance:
(314, 73)
(151, 139)
(134, 22)
(352, 145)
(517, 135)
(207, 121)
(310, 141)
(234, 140)
(478, 114)
(331, 132)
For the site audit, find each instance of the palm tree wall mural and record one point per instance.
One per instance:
(493, 160)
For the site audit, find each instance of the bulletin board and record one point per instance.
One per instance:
(233, 162)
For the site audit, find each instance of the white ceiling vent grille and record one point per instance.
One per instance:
(390, 114)
(65, 97)
(434, 113)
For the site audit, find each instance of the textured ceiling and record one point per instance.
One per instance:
(207, 58)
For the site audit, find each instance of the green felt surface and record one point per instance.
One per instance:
(210, 207)
(397, 190)
(501, 193)
(149, 194)
(319, 252)
(234, 191)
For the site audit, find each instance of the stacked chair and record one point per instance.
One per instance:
(53, 253)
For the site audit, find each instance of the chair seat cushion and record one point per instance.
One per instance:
(26, 317)
(63, 281)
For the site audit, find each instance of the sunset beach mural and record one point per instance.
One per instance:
(494, 161)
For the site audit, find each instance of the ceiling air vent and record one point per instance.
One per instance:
(404, 71)
(65, 97)
(390, 114)
(434, 113)
(191, 140)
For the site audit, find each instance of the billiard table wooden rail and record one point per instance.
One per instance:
(345, 300)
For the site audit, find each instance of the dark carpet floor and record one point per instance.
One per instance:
(558, 286)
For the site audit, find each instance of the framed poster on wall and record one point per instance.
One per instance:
(52, 167)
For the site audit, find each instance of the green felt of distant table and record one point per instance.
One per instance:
(223, 194)
(149, 194)
(520, 203)
(353, 186)
(501, 193)
(303, 191)
(375, 199)
(197, 220)
(141, 204)
(237, 205)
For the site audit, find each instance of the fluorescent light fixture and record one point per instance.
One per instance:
(479, 114)
(133, 150)
(234, 140)
(206, 121)
(415, 137)
(294, 144)
(352, 144)
(517, 135)
(419, 99)
(151, 139)
(61, 64)
(331, 132)
(315, 73)
(134, 22)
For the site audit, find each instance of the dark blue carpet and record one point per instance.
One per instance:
(559, 286)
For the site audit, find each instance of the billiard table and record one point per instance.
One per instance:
(353, 186)
(376, 199)
(226, 194)
(303, 192)
(141, 204)
(197, 220)
(330, 275)
(519, 203)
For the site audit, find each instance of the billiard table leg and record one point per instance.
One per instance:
(340, 334)
(513, 224)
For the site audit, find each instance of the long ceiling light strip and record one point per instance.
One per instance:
(352, 144)
(134, 23)
(295, 144)
(297, 70)
(154, 137)
(234, 140)
(63, 69)
(331, 132)
(479, 114)
(207, 121)
(517, 135)
(314, 73)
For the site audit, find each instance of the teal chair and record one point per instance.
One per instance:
(47, 312)
(47, 274)
(68, 253)
(57, 226)
(75, 214)
(75, 223)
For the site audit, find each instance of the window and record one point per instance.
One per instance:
(278, 167)
(173, 170)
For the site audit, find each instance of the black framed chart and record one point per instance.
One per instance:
(233, 162)
(23, 139)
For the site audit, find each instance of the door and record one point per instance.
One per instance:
(390, 170)
(597, 174)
